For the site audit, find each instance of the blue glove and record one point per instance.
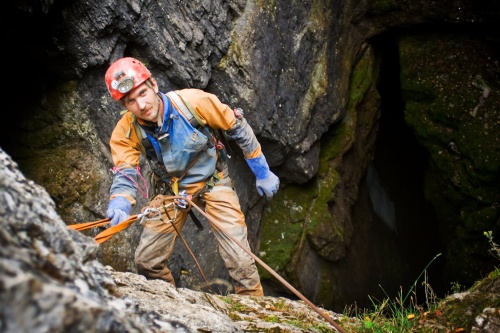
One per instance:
(267, 182)
(118, 210)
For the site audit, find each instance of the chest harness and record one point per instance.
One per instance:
(159, 171)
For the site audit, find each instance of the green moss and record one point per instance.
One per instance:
(235, 316)
(267, 5)
(463, 313)
(320, 218)
(299, 211)
(333, 146)
(234, 53)
(317, 86)
(361, 80)
(272, 319)
(282, 223)
(335, 143)
(327, 286)
(450, 90)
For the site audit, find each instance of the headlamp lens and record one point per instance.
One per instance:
(125, 85)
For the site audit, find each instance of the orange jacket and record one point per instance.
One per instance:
(126, 146)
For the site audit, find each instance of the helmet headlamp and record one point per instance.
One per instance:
(125, 85)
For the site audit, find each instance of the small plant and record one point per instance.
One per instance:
(456, 288)
(321, 327)
(280, 304)
(494, 248)
(272, 319)
(236, 306)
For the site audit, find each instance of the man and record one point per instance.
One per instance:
(184, 158)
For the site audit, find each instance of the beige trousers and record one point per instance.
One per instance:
(222, 206)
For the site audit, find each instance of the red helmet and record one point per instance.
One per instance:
(124, 75)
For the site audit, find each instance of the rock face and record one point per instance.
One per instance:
(308, 76)
(50, 282)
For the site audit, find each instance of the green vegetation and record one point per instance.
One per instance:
(301, 211)
(494, 248)
(397, 315)
(405, 315)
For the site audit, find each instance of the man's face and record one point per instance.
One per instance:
(143, 102)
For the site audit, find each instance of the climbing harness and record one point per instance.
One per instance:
(156, 212)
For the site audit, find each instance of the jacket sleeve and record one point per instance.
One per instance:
(243, 135)
(218, 115)
(125, 151)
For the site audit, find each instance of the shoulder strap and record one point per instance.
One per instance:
(195, 120)
(186, 109)
(192, 116)
(138, 130)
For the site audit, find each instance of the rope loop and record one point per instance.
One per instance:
(145, 192)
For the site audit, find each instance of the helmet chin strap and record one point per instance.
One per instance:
(159, 117)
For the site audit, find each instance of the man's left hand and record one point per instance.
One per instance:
(268, 186)
(267, 182)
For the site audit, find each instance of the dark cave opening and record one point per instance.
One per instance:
(30, 79)
(400, 163)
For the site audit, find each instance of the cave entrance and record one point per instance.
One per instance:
(399, 169)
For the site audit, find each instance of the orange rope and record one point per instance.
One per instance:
(87, 225)
(108, 233)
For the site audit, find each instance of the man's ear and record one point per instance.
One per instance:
(154, 84)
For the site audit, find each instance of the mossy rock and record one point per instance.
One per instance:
(451, 89)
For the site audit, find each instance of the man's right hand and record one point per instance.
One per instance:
(118, 210)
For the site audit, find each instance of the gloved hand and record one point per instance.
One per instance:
(267, 182)
(118, 210)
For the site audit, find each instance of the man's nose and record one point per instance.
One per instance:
(141, 103)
